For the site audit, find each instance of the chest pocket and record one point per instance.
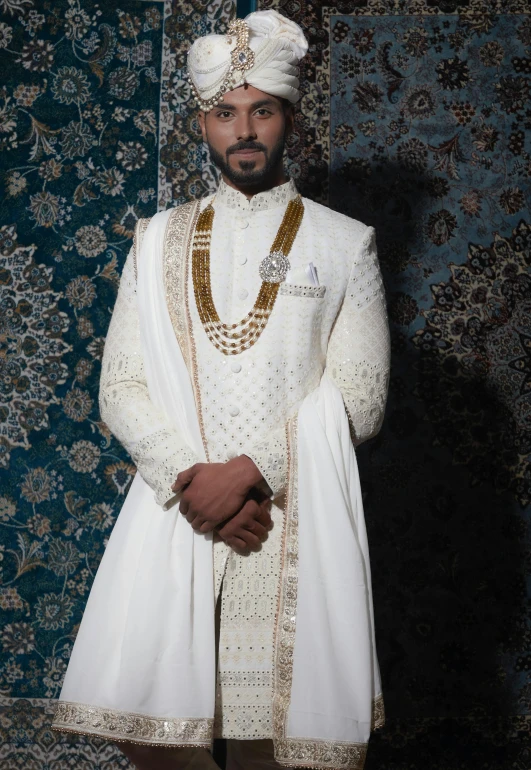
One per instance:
(300, 290)
(300, 318)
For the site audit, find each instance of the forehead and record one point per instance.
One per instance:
(246, 95)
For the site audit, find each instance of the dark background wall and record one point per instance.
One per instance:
(415, 118)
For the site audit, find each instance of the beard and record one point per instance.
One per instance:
(248, 176)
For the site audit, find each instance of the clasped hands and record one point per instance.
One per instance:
(224, 497)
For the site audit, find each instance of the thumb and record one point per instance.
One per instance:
(184, 478)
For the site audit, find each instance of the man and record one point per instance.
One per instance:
(236, 416)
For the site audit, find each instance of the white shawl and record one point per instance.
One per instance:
(150, 677)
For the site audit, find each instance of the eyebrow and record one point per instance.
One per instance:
(254, 105)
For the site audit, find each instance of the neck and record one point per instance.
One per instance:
(274, 180)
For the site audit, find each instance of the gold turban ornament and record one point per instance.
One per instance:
(262, 50)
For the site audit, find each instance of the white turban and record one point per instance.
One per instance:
(262, 50)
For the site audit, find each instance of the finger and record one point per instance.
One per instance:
(246, 515)
(250, 509)
(238, 545)
(252, 541)
(183, 506)
(265, 506)
(190, 515)
(239, 521)
(255, 527)
(264, 518)
(197, 523)
(260, 531)
(227, 528)
(184, 478)
(206, 526)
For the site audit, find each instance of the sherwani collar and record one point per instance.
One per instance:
(280, 195)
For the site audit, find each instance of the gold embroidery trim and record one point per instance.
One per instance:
(140, 228)
(378, 713)
(297, 752)
(192, 365)
(174, 261)
(301, 752)
(123, 726)
(176, 267)
(287, 598)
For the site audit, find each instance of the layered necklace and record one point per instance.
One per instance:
(232, 339)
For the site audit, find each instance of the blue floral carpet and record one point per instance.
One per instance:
(95, 132)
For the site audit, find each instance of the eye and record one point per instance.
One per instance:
(263, 111)
(223, 114)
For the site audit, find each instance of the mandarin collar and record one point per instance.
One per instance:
(280, 195)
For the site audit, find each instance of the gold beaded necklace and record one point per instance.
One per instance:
(232, 339)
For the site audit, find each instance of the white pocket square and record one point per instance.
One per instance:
(303, 276)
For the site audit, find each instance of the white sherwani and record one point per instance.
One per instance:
(246, 399)
(339, 327)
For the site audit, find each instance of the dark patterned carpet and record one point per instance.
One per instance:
(416, 119)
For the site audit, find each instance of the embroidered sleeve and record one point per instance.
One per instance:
(358, 361)
(271, 458)
(158, 451)
(358, 356)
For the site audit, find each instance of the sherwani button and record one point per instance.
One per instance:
(236, 367)
(243, 294)
(243, 223)
(234, 411)
(242, 260)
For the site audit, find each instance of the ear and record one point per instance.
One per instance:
(201, 118)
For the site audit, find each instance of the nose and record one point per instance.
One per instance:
(245, 130)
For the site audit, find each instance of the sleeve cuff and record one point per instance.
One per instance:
(165, 474)
(270, 457)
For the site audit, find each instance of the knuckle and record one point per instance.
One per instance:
(226, 531)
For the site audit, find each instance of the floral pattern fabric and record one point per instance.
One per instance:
(96, 131)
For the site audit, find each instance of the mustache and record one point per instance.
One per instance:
(246, 146)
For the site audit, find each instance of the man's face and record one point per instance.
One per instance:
(245, 134)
